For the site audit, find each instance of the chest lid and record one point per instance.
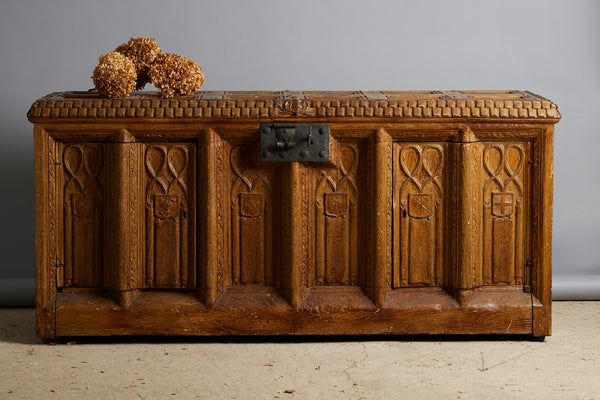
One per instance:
(270, 105)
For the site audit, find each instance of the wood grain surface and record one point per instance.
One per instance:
(433, 215)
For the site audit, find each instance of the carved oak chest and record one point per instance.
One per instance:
(294, 213)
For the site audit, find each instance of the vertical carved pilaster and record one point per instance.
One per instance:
(207, 225)
(124, 259)
(381, 210)
(45, 232)
(223, 279)
(293, 288)
(543, 163)
(468, 214)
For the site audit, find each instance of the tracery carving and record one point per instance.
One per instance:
(504, 212)
(83, 194)
(251, 220)
(418, 216)
(336, 220)
(169, 199)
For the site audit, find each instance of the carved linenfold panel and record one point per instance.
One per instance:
(170, 204)
(83, 186)
(336, 220)
(418, 183)
(505, 210)
(252, 202)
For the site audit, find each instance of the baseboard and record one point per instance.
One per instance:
(20, 292)
(17, 292)
(576, 287)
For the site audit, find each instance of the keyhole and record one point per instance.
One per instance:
(309, 139)
(404, 214)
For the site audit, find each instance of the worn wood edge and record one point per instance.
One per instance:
(251, 299)
(293, 250)
(541, 318)
(468, 217)
(68, 105)
(125, 258)
(45, 301)
(207, 211)
(491, 311)
(340, 120)
(337, 299)
(542, 286)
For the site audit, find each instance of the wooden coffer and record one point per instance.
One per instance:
(429, 213)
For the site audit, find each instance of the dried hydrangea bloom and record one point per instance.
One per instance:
(175, 75)
(114, 76)
(142, 51)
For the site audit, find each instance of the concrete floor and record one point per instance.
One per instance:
(565, 366)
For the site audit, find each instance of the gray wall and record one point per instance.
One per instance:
(549, 47)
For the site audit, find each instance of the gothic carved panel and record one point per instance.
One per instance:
(170, 209)
(253, 202)
(83, 195)
(418, 214)
(505, 211)
(336, 220)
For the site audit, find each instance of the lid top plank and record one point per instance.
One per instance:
(488, 104)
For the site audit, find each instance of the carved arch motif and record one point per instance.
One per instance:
(336, 221)
(83, 194)
(251, 202)
(169, 199)
(504, 212)
(418, 214)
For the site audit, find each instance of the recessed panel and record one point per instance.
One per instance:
(253, 202)
(418, 190)
(505, 210)
(169, 199)
(335, 192)
(82, 172)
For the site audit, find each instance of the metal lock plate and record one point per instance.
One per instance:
(294, 142)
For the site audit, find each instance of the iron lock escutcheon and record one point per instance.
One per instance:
(294, 142)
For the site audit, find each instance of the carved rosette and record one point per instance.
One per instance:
(295, 107)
